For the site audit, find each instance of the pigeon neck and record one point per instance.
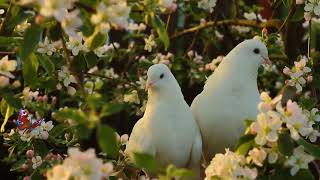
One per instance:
(155, 95)
(246, 71)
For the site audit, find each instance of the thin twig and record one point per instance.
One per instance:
(69, 65)
(290, 14)
(7, 53)
(168, 22)
(309, 39)
(66, 52)
(241, 22)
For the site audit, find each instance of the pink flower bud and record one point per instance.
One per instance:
(44, 135)
(299, 1)
(59, 86)
(54, 100)
(173, 7)
(26, 178)
(190, 54)
(264, 31)
(49, 156)
(16, 84)
(30, 153)
(45, 98)
(309, 78)
(286, 71)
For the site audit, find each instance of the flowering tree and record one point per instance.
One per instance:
(72, 76)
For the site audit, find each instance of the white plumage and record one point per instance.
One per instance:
(167, 130)
(230, 96)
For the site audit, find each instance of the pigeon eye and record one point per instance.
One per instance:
(256, 51)
(161, 76)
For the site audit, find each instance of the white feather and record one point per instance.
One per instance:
(167, 130)
(230, 96)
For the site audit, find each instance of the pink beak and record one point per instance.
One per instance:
(266, 60)
(149, 84)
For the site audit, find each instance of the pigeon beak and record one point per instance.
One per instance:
(149, 84)
(266, 61)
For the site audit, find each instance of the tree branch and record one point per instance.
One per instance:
(275, 23)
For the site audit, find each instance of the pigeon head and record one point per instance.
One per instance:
(252, 51)
(160, 78)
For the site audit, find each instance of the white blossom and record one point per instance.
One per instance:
(207, 5)
(46, 47)
(299, 160)
(229, 166)
(36, 162)
(149, 43)
(133, 97)
(71, 23)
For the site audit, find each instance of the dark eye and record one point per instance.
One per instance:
(256, 50)
(161, 76)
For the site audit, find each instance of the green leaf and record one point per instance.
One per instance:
(82, 131)
(36, 175)
(31, 39)
(107, 141)
(9, 41)
(29, 70)
(248, 122)
(281, 174)
(40, 147)
(110, 109)
(8, 95)
(95, 40)
(174, 172)
(146, 162)
(285, 144)
(70, 113)
(161, 30)
(91, 59)
(244, 139)
(299, 13)
(304, 174)
(287, 2)
(47, 64)
(17, 165)
(245, 147)
(57, 130)
(314, 150)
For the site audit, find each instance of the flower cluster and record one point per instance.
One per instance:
(61, 10)
(273, 115)
(111, 13)
(230, 166)
(272, 121)
(299, 74)
(311, 8)
(47, 47)
(214, 63)
(81, 165)
(67, 78)
(39, 132)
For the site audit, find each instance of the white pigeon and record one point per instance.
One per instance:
(167, 130)
(229, 96)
